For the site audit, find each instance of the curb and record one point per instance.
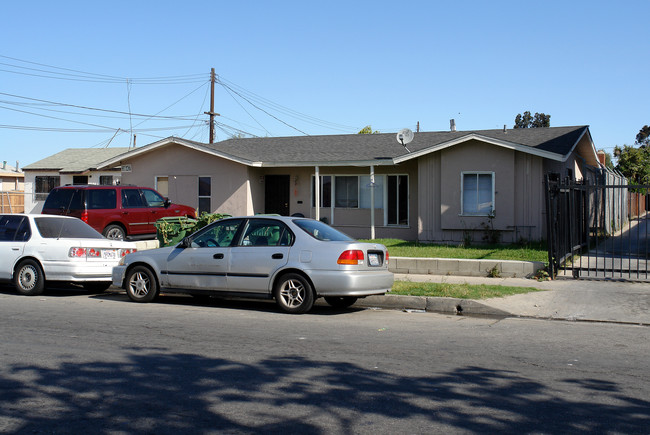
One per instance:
(431, 304)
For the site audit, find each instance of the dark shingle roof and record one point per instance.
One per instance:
(76, 159)
(365, 147)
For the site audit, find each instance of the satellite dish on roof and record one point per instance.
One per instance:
(405, 136)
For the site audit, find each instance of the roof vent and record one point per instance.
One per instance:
(452, 124)
(504, 128)
(4, 165)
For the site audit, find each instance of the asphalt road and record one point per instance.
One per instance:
(73, 363)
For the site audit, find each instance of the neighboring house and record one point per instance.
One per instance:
(446, 187)
(70, 166)
(11, 189)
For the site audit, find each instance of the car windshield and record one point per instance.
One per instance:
(321, 231)
(65, 228)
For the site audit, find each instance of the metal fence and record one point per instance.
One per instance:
(597, 230)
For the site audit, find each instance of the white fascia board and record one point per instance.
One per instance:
(591, 142)
(148, 148)
(490, 140)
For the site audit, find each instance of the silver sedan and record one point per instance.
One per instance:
(292, 260)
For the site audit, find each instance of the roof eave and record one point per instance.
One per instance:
(116, 161)
(486, 139)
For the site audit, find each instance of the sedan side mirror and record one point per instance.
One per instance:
(167, 203)
(185, 243)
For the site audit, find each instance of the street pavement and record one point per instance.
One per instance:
(570, 299)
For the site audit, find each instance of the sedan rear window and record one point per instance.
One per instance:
(62, 228)
(322, 231)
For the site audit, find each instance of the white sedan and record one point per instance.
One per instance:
(37, 249)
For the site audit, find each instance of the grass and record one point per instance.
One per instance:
(528, 252)
(459, 291)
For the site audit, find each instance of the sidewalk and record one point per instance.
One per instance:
(561, 299)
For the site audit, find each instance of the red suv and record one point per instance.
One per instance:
(118, 212)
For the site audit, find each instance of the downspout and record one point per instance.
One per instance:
(317, 196)
(372, 202)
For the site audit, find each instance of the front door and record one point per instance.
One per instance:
(276, 194)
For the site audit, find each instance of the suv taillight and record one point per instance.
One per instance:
(353, 256)
(84, 216)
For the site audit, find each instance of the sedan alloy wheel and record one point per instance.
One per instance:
(141, 285)
(293, 294)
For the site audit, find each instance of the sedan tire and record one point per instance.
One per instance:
(29, 278)
(340, 301)
(293, 294)
(141, 284)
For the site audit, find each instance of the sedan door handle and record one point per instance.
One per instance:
(277, 256)
(218, 256)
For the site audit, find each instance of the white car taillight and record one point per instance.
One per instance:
(77, 252)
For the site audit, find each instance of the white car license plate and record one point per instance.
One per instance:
(109, 254)
(373, 259)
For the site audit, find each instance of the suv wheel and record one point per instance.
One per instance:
(115, 232)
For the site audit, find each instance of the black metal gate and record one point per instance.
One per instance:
(597, 230)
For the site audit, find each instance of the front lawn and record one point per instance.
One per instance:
(459, 291)
(528, 252)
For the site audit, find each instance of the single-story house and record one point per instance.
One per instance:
(441, 187)
(70, 166)
(11, 178)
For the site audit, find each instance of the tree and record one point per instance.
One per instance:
(367, 130)
(528, 121)
(643, 137)
(634, 163)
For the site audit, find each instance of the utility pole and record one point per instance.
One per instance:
(213, 79)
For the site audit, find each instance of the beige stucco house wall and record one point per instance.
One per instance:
(518, 194)
(182, 167)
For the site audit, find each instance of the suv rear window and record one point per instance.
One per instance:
(65, 199)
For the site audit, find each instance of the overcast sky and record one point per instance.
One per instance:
(79, 74)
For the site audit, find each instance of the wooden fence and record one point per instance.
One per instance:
(12, 202)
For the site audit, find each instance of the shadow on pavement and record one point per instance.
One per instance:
(153, 392)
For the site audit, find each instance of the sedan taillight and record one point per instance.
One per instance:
(353, 256)
(386, 259)
(123, 252)
(77, 252)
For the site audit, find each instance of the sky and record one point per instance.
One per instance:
(80, 74)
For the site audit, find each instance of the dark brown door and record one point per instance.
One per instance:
(276, 194)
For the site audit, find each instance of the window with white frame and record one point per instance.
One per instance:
(43, 184)
(346, 191)
(325, 188)
(205, 194)
(477, 192)
(397, 200)
(106, 180)
(365, 191)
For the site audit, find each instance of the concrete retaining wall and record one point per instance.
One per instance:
(440, 266)
(453, 266)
